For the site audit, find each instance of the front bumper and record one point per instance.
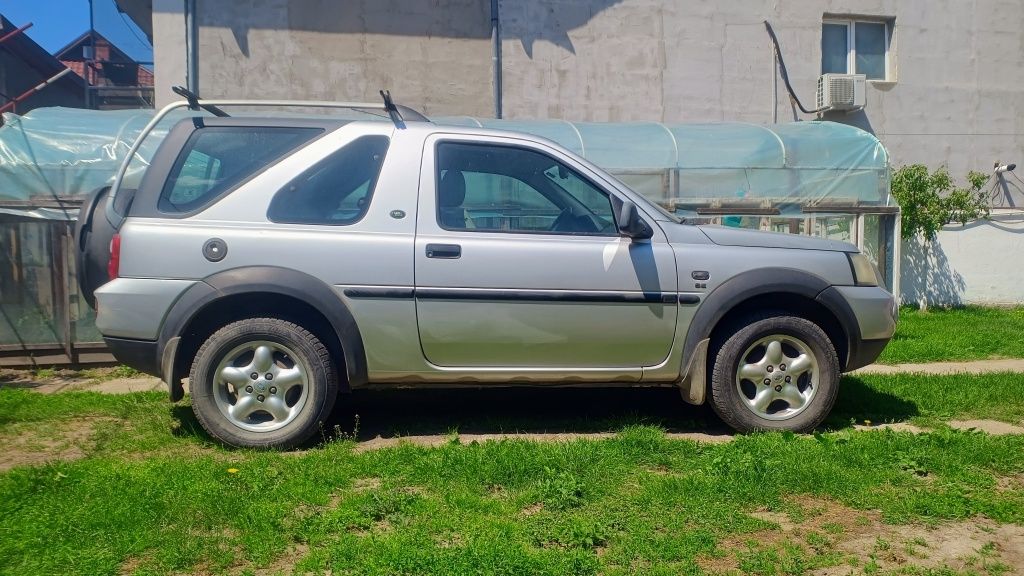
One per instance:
(869, 315)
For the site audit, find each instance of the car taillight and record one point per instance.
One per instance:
(114, 265)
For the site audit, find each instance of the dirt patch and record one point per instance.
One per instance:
(894, 426)
(819, 527)
(1010, 483)
(104, 380)
(435, 440)
(34, 446)
(366, 484)
(993, 427)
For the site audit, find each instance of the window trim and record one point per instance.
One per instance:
(370, 192)
(851, 44)
(437, 186)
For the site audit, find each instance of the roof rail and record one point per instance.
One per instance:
(398, 114)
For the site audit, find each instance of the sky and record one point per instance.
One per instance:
(55, 23)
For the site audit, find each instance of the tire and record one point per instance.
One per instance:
(280, 411)
(797, 401)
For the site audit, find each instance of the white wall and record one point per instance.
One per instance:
(980, 263)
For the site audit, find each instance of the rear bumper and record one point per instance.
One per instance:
(139, 354)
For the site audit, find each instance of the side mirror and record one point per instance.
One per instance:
(629, 222)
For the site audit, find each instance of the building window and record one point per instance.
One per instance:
(856, 47)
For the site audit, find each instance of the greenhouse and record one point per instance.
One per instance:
(813, 178)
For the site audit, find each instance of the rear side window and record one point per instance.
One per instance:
(335, 191)
(217, 158)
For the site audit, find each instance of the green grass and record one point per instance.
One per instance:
(968, 333)
(155, 495)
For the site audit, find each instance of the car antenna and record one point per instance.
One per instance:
(193, 101)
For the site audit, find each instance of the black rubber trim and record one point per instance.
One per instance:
(689, 298)
(141, 355)
(270, 280)
(763, 281)
(382, 292)
(866, 353)
(545, 295)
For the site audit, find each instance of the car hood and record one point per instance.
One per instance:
(727, 236)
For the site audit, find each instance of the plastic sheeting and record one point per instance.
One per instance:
(788, 168)
(55, 154)
(785, 169)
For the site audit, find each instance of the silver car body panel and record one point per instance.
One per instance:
(513, 308)
(135, 307)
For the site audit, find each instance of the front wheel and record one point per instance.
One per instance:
(776, 373)
(262, 383)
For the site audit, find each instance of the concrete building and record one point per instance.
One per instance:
(946, 77)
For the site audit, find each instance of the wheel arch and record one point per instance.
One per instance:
(784, 289)
(258, 291)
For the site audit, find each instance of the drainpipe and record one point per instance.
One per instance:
(191, 47)
(495, 56)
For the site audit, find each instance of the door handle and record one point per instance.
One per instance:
(447, 251)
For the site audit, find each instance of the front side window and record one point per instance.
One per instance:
(217, 158)
(855, 47)
(335, 191)
(497, 188)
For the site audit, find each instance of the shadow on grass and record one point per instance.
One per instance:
(391, 413)
(858, 402)
(188, 426)
(507, 410)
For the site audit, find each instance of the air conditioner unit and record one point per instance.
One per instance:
(841, 92)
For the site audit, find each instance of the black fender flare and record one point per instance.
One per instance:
(267, 280)
(760, 282)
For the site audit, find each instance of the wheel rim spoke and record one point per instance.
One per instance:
(244, 408)
(752, 372)
(276, 407)
(762, 399)
(773, 352)
(792, 396)
(235, 376)
(263, 358)
(288, 378)
(799, 365)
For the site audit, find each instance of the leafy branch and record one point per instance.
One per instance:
(929, 200)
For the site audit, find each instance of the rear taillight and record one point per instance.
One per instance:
(114, 265)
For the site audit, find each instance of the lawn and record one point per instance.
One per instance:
(968, 333)
(148, 493)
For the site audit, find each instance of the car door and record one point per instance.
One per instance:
(518, 264)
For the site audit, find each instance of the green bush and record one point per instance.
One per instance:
(929, 200)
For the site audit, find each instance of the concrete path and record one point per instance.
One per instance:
(943, 368)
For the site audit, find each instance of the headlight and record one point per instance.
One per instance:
(864, 272)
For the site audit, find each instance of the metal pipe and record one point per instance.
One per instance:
(496, 56)
(775, 86)
(14, 32)
(191, 47)
(14, 101)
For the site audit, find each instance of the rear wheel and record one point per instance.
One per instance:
(263, 383)
(778, 372)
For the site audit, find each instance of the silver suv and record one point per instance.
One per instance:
(276, 262)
